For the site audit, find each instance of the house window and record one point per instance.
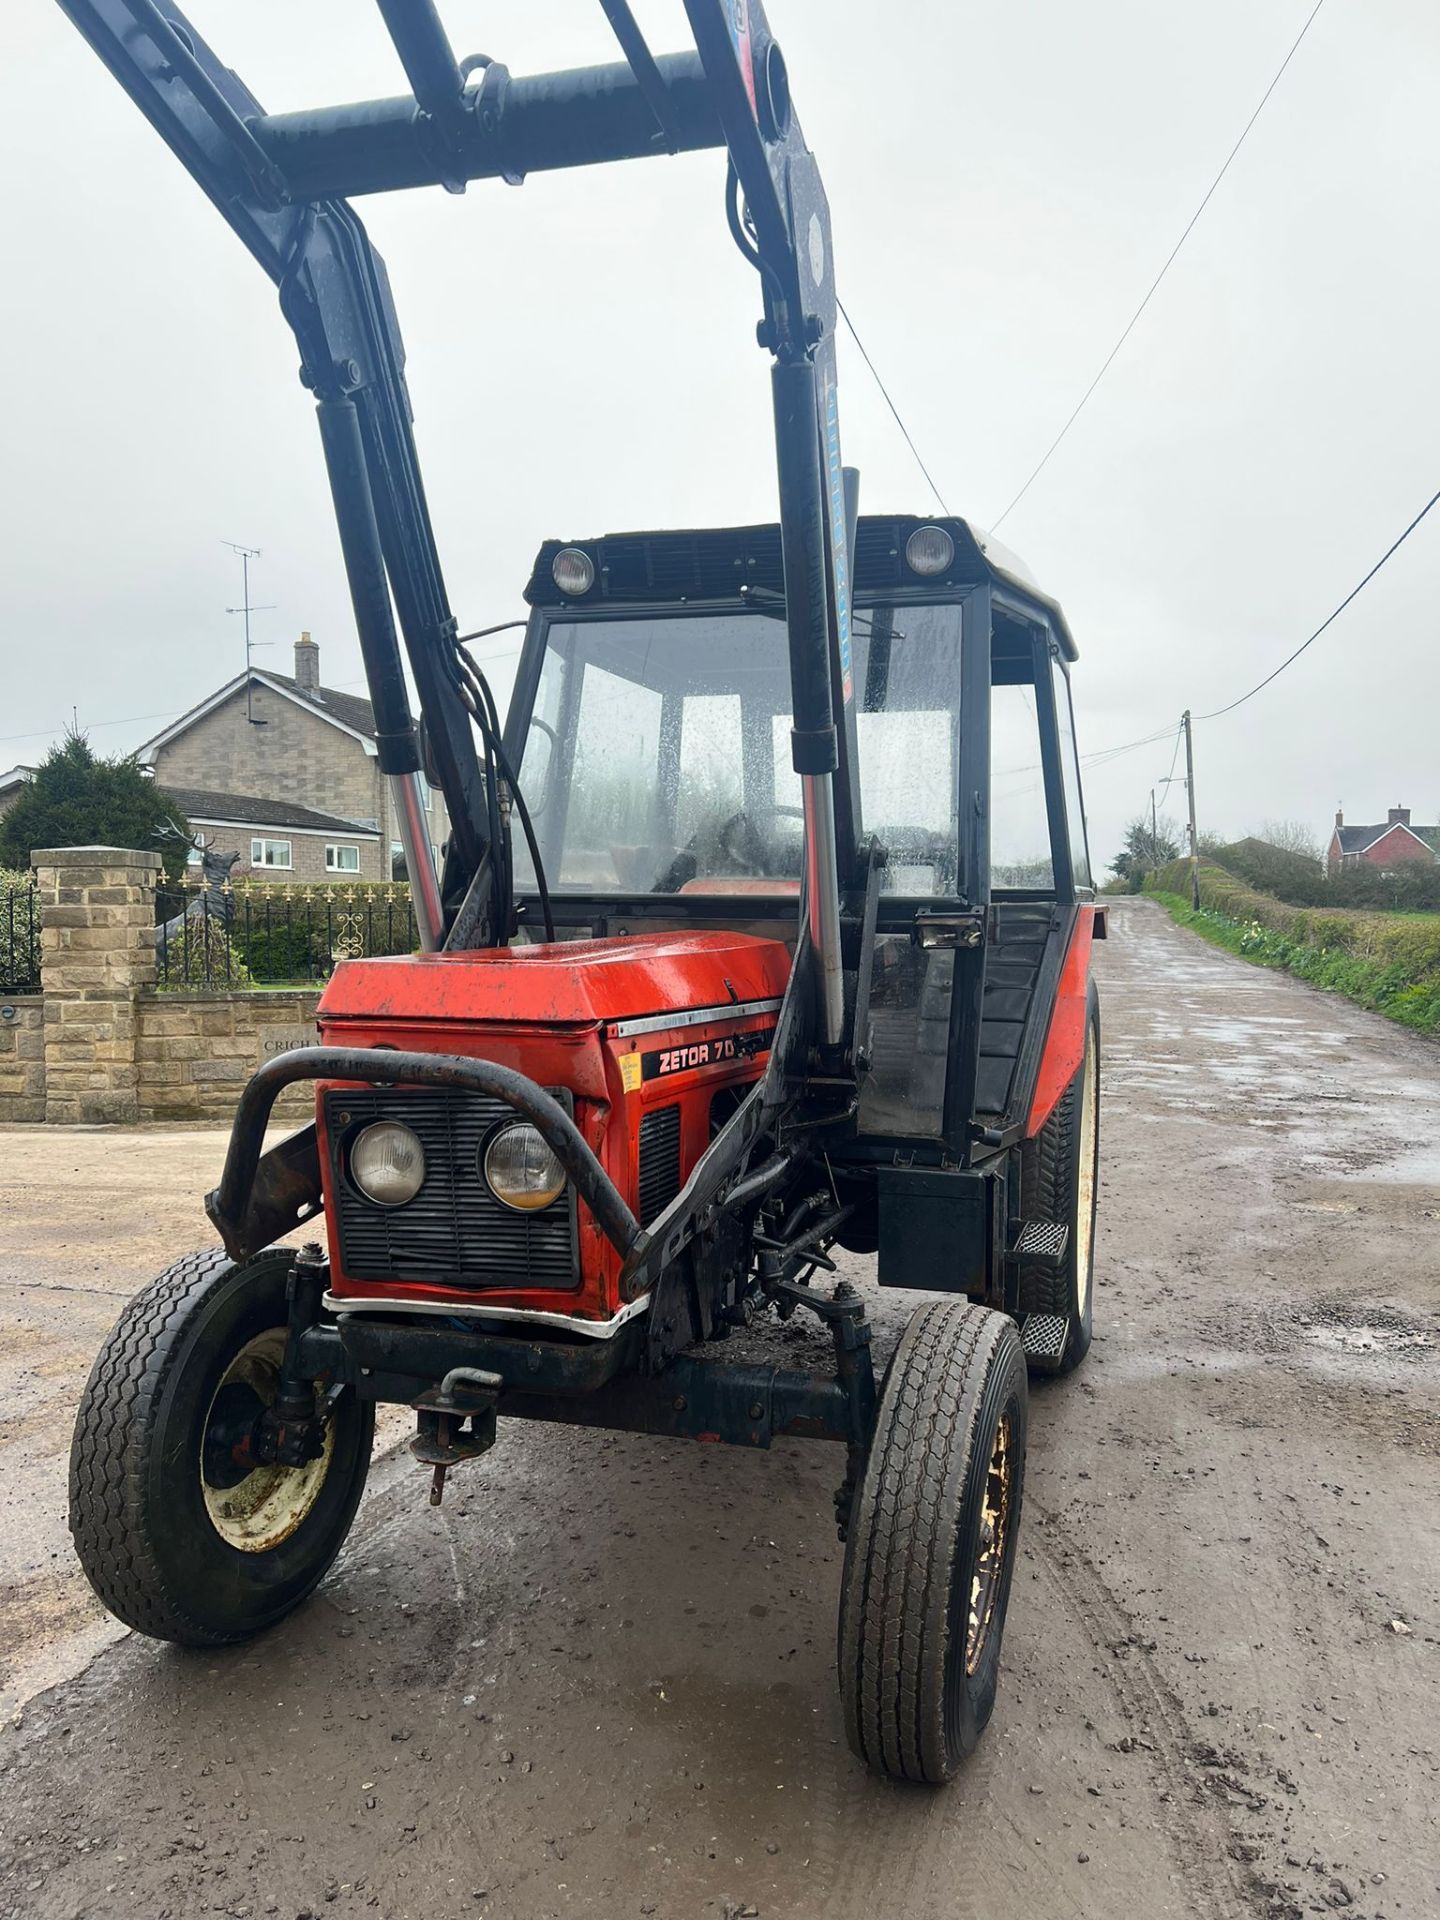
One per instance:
(270, 853)
(342, 859)
(398, 869)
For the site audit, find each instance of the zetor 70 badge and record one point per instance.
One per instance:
(719, 1050)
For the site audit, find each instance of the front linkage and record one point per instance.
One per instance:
(452, 1376)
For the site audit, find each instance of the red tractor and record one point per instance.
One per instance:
(750, 943)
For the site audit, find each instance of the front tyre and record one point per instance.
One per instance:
(931, 1549)
(177, 1540)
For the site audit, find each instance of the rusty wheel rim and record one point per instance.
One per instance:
(992, 1546)
(259, 1512)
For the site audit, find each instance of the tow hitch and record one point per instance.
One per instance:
(466, 1393)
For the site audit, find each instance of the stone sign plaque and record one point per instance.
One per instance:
(275, 1040)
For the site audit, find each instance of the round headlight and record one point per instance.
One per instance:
(387, 1163)
(573, 572)
(521, 1170)
(929, 550)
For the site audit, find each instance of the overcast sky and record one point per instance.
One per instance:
(1005, 182)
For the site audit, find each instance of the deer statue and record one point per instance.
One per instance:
(213, 901)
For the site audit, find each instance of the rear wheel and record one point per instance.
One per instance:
(931, 1549)
(181, 1538)
(1059, 1181)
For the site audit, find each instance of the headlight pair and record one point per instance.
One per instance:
(387, 1164)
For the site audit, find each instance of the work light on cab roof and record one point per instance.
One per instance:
(573, 571)
(929, 551)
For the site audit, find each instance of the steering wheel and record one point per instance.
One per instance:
(740, 837)
(737, 839)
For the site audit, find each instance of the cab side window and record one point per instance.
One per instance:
(1020, 853)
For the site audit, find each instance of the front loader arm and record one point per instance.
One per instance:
(786, 212)
(335, 293)
(281, 180)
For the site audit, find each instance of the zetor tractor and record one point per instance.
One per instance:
(764, 930)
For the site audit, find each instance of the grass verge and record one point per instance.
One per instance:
(1384, 985)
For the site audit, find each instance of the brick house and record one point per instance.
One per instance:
(284, 771)
(1379, 846)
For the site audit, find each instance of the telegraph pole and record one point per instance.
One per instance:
(1190, 796)
(247, 554)
(1154, 831)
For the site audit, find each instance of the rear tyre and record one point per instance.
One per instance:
(179, 1541)
(931, 1548)
(1060, 1180)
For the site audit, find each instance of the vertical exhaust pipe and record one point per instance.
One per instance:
(812, 739)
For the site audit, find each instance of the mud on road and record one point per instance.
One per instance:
(598, 1681)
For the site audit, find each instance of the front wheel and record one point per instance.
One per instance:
(931, 1550)
(179, 1538)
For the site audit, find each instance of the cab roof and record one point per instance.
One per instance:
(719, 563)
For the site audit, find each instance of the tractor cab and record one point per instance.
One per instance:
(651, 729)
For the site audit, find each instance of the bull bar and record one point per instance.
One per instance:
(296, 1161)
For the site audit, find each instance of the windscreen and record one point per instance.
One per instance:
(658, 755)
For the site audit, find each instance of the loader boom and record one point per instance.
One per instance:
(282, 180)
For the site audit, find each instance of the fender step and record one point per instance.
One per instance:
(1041, 1243)
(1042, 1335)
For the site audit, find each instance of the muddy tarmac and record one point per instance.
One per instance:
(598, 1681)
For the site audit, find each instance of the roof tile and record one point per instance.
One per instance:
(201, 805)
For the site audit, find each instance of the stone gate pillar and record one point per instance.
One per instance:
(97, 955)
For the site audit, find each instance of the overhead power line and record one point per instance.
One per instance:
(134, 719)
(1129, 746)
(492, 656)
(940, 498)
(1100, 756)
(1330, 618)
(1130, 325)
(1107, 754)
(1179, 736)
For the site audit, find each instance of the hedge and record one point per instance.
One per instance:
(1386, 961)
(1411, 886)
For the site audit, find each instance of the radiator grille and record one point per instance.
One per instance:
(454, 1230)
(659, 1162)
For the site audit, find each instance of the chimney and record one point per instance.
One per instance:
(1399, 817)
(307, 665)
(1339, 817)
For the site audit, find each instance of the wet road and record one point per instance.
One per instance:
(598, 1681)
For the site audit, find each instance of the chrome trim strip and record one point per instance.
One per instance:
(696, 1017)
(465, 1309)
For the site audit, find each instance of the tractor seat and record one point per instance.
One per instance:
(741, 883)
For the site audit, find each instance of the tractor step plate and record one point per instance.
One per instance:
(1042, 1243)
(1042, 1335)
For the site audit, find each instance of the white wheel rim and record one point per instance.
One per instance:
(265, 1508)
(1085, 1190)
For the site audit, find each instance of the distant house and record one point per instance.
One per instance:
(1387, 845)
(11, 785)
(284, 771)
